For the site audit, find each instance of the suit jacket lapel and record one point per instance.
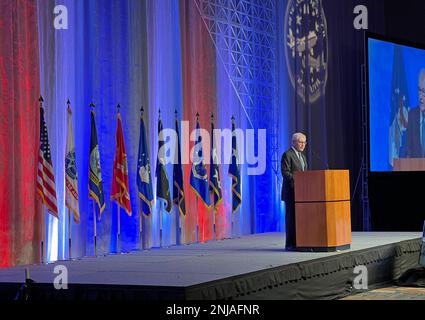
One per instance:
(297, 160)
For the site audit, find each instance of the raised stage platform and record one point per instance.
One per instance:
(252, 267)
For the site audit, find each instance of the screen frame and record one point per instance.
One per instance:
(408, 43)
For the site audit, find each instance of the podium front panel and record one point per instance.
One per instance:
(323, 224)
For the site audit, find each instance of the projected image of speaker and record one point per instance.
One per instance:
(396, 85)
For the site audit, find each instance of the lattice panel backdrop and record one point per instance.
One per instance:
(244, 34)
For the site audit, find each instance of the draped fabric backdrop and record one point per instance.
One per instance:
(208, 56)
(19, 125)
(165, 95)
(102, 59)
(157, 54)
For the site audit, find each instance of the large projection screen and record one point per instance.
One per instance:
(396, 96)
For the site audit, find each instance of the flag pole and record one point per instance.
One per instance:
(212, 164)
(233, 220)
(69, 235)
(43, 234)
(92, 106)
(119, 229)
(178, 215)
(118, 207)
(214, 225)
(140, 229)
(160, 223)
(203, 228)
(69, 211)
(178, 227)
(197, 220)
(43, 231)
(94, 229)
(160, 201)
(181, 217)
(141, 202)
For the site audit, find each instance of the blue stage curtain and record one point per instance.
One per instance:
(165, 94)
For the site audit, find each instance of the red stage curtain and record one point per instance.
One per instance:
(19, 122)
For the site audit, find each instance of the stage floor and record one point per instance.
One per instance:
(194, 264)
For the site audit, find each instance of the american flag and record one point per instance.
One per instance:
(45, 174)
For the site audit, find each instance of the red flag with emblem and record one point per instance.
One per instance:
(120, 191)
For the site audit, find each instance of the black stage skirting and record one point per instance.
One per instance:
(252, 267)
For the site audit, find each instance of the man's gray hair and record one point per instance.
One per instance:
(297, 136)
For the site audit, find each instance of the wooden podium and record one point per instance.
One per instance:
(322, 210)
(409, 164)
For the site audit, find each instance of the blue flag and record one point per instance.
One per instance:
(144, 181)
(162, 182)
(178, 186)
(215, 184)
(234, 172)
(398, 111)
(198, 174)
(95, 176)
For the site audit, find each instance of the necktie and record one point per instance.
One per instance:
(301, 160)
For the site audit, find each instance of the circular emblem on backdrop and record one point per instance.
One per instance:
(306, 48)
(70, 167)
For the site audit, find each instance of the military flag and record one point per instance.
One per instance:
(120, 190)
(71, 176)
(178, 186)
(198, 174)
(234, 171)
(162, 182)
(144, 181)
(215, 184)
(95, 175)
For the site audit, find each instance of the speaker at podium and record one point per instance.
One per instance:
(322, 210)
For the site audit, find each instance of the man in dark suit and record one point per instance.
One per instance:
(292, 160)
(415, 133)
